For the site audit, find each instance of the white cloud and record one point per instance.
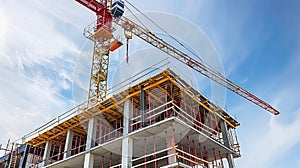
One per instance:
(32, 35)
(26, 103)
(265, 140)
(266, 149)
(37, 53)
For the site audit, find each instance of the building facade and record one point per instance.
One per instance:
(159, 122)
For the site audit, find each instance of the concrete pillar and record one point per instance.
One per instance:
(91, 134)
(127, 116)
(90, 142)
(46, 154)
(225, 133)
(127, 148)
(89, 160)
(68, 144)
(230, 161)
(226, 142)
(127, 142)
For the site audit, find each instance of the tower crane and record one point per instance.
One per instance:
(104, 42)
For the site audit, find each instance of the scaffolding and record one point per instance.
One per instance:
(166, 123)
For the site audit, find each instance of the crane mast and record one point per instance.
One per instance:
(102, 36)
(101, 50)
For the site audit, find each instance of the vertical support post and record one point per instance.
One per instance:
(46, 154)
(127, 147)
(91, 134)
(127, 142)
(230, 161)
(225, 134)
(221, 159)
(34, 154)
(90, 142)
(23, 159)
(100, 131)
(110, 159)
(154, 150)
(59, 151)
(89, 160)
(102, 164)
(188, 145)
(68, 144)
(194, 150)
(215, 157)
(171, 159)
(205, 156)
(76, 145)
(145, 152)
(79, 146)
(200, 151)
(126, 117)
(182, 147)
(226, 142)
(143, 106)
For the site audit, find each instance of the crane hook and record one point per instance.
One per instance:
(128, 36)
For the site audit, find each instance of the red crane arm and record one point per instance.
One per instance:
(194, 64)
(92, 5)
(101, 9)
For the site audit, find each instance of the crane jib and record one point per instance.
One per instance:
(157, 42)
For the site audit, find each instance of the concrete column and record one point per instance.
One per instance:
(90, 142)
(127, 148)
(226, 142)
(230, 161)
(127, 142)
(46, 154)
(91, 134)
(89, 160)
(68, 144)
(127, 116)
(225, 133)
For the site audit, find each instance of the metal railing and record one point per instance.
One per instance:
(170, 109)
(111, 135)
(56, 121)
(90, 30)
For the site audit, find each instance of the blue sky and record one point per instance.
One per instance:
(257, 41)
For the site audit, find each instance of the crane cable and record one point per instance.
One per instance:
(127, 47)
(136, 18)
(171, 36)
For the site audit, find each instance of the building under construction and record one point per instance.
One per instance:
(159, 122)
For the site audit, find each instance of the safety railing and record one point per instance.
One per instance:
(168, 110)
(90, 30)
(33, 160)
(173, 155)
(78, 144)
(110, 135)
(144, 161)
(152, 116)
(56, 121)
